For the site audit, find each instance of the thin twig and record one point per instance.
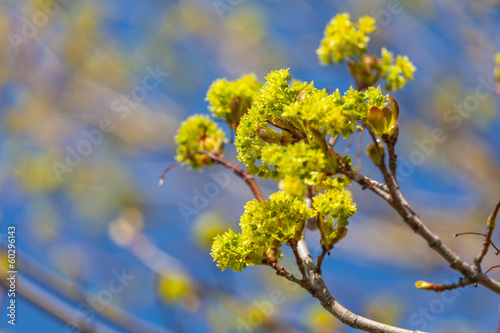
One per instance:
(244, 175)
(160, 183)
(479, 234)
(492, 267)
(487, 240)
(281, 271)
(365, 182)
(320, 258)
(462, 283)
(400, 204)
(393, 158)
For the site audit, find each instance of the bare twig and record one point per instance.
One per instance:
(167, 170)
(317, 288)
(281, 271)
(378, 188)
(487, 239)
(393, 158)
(479, 234)
(401, 206)
(247, 178)
(491, 268)
(462, 282)
(320, 258)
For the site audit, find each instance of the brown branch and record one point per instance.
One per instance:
(462, 283)
(167, 170)
(393, 158)
(378, 188)
(244, 175)
(401, 206)
(399, 203)
(435, 243)
(487, 240)
(317, 288)
(492, 267)
(281, 271)
(320, 258)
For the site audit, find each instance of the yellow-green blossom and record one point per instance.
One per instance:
(344, 40)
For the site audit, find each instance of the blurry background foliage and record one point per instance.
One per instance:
(108, 213)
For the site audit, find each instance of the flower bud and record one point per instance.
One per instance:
(376, 120)
(235, 111)
(395, 108)
(424, 285)
(268, 135)
(376, 155)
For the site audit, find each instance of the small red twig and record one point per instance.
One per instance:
(167, 170)
(244, 175)
(319, 261)
(493, 267)
(479, 234)
(489, 269)
(462, 282)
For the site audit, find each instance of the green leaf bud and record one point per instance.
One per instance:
(376, 155)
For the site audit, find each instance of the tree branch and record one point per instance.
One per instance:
(462, 282)
(281, 271)
(399, 203)
(487, 240)
(317, 288)
(244, 175)
(312, 280)
(378, 188)
(479, 234)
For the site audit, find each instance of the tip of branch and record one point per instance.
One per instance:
(160, 183)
